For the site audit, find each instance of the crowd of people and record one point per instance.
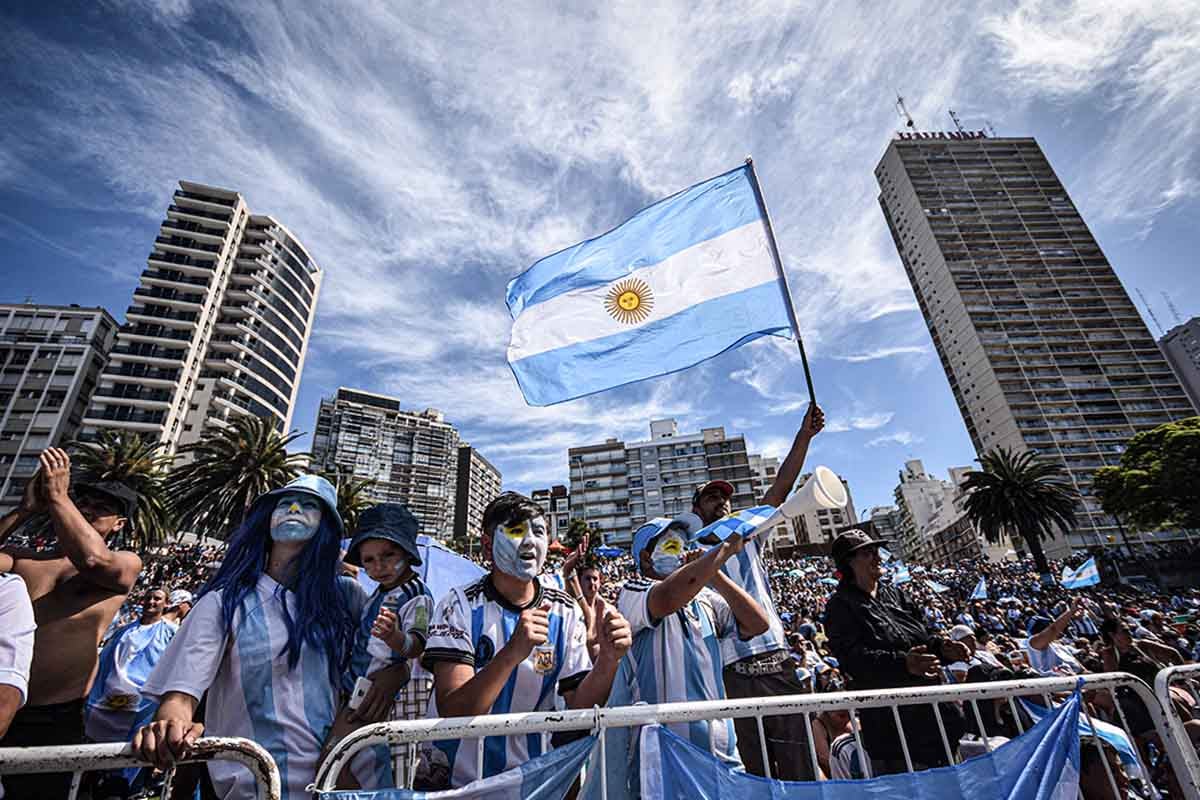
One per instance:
(269, 636)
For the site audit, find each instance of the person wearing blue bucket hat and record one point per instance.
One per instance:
(268, 639)
(391, 634)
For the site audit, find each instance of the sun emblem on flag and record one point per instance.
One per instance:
(629, 301)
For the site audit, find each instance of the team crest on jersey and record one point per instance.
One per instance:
(118, 702)
(543, 660)
(484, 652)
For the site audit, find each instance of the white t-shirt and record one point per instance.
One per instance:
(470, 625)
(251, 691)
(678, 658)
(16, 633)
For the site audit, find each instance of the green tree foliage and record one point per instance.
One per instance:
(1020, 495)
(139, 463)
(1156, 485)
(226, 470)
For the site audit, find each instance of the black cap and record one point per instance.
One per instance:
(849, 542)
(125, 497)
(390, 521)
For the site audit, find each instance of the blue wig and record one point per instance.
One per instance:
(323, 616)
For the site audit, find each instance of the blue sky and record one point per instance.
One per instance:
(426, 153)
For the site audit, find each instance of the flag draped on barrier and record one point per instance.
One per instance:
(546, 777)
(1041, 764)
(681, 281)
(980, 592)
(1109, 733)
(1087, 575)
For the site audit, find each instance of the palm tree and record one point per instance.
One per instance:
(353, 495)
(226, 470)
(1021, 495)
(139, 463)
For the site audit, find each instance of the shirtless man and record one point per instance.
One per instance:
(76, 588)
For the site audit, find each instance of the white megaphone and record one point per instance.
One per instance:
(823, 489)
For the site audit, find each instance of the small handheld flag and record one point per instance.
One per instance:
(740, 523)
(1087, 575)
(680, 282)
(901, 575)
(980, 592)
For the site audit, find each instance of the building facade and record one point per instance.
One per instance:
(412, 456)
(1181, 346)
(1040, 343)
(51, 358)
(617, 486)
(920, 499)
(478, 483)
(885, 526)
(219, 325)
(556, 502)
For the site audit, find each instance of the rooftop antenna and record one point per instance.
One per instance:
(1146, 303)
(1174, 310)
(954, 117)
(902, 110)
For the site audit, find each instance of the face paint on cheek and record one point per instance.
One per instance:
(294, 520)
(519, 549)
(667, 556)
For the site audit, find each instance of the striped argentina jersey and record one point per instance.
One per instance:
(678, 658)
(251, 691)
(413, 603)
(746, 570)
(115, 705)
(474, 622)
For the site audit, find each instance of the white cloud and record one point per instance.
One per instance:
(885, 352)
(904, 438)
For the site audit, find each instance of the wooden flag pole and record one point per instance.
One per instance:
(783, 285)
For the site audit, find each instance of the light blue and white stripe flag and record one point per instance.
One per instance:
(739, 523)
(1087, 575)
(980, 592)
(1041, 764)
(679, 282)
(935, 587)
(546, 777)
(901, 575)
(1112, 734)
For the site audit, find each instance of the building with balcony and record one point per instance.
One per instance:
(1040, 343)
(50, 363)
(219, 324)
(1181, 346)
(412, 456)
(556, 502)
(477, 484)
(617, 486)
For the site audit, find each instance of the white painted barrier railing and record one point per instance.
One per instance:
(598, 720)
(79, 759)
(1178, 744)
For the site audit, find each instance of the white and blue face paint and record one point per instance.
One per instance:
(296, 517)
(519, 548)
(667, 555)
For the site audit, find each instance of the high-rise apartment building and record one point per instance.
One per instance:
(1041, 345)
(885, 526)
(219, 325)
(1181, 346)
(556, 502)
(50, 363)
(920, 500)
(411, 455)
(478, 483)
(617, 486)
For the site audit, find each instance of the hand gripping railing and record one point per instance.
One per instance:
(82, 758)
(599, 719)
(1179, 746)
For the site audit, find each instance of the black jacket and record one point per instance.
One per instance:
(870, 637)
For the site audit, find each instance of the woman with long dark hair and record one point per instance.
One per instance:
(268, 639)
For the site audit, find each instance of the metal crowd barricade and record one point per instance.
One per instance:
(598, 720)
(1179, 747)
(83, 758)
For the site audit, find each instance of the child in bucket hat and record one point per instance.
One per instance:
(391, 632)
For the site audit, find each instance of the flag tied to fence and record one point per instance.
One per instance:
(681, 281)
(1041, 764)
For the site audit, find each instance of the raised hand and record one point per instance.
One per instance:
(571, 562)
(385, 624)
(56, 473)
(615, 635)
(814, 421)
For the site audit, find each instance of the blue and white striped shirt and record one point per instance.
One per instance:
(678, 658)
(746, 570)
(471, 624)
(115, 705)
(413, 603)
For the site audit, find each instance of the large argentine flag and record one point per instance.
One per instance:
(681, 281)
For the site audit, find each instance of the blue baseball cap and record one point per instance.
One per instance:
(314, 485)
(644, 535)
(390, 521)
